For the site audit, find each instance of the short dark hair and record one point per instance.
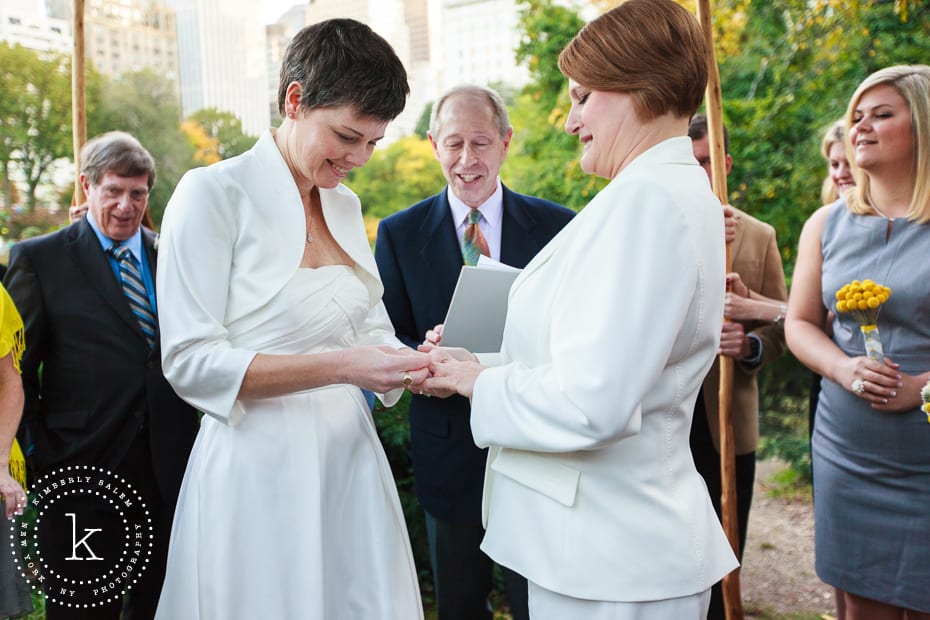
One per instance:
(697, 129)
(342, 61)
(117, 152)
(653, 50)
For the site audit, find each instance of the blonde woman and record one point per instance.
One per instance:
(870, 444)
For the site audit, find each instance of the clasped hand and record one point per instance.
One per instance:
(452, 370)
(883, 385)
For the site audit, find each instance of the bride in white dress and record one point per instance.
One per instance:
(271, 322)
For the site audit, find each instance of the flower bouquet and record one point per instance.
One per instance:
(925, 397)
(863, 300)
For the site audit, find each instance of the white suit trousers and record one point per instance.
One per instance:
(547, 605)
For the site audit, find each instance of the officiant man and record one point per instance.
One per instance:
(420, 252)
(87, 297)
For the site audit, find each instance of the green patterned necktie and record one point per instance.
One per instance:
(474, 242)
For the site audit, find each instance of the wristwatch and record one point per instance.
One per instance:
(782, 311)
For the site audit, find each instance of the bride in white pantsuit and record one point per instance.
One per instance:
(591, 491)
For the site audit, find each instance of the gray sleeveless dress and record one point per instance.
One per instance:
(872, 469)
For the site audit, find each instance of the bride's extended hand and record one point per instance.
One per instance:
(382, 368)
(453, 371)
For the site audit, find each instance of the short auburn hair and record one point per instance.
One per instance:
(653, 50)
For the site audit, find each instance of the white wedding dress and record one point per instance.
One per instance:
(292, 513)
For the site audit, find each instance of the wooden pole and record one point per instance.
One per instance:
(78, 104)
(714, 103)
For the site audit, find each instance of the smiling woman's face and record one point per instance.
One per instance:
(882, 134)
(838, 168)
(323, 145)
(607, 125)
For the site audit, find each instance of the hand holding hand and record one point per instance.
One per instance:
(880, 384)
(383, 368)
(904, 398)
(450, 373)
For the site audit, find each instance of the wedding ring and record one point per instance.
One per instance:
(858, 386)
(408, 380)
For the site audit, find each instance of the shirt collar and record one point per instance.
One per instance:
(492, 209)
(134, 243)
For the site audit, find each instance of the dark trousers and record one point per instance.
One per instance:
(707, 461)
(463, 574)
(142, 598)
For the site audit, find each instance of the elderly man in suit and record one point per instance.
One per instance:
(420, 252)
(87, 297)
(753, 337)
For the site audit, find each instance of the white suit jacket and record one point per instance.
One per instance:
(233, 235)
(591, 490)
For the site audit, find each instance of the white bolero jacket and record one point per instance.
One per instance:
(590, 489)
(231, 238)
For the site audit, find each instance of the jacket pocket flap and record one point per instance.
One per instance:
(540, 473)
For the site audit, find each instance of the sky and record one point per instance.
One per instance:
(273, 9)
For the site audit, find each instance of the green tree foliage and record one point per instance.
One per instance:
(543, 159)
(787, 71)
(13, 132)
(396, 177)
(423, 122)
(146, 105)
(226, 129)
(35, 107)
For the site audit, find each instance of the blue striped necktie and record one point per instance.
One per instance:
(134, 290)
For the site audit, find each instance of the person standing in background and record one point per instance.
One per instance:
(870, 457)
(753, 337)
(838, 181)
(101, 398)
(15, 597)
(839, 173)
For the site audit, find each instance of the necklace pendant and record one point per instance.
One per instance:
(309, 237)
